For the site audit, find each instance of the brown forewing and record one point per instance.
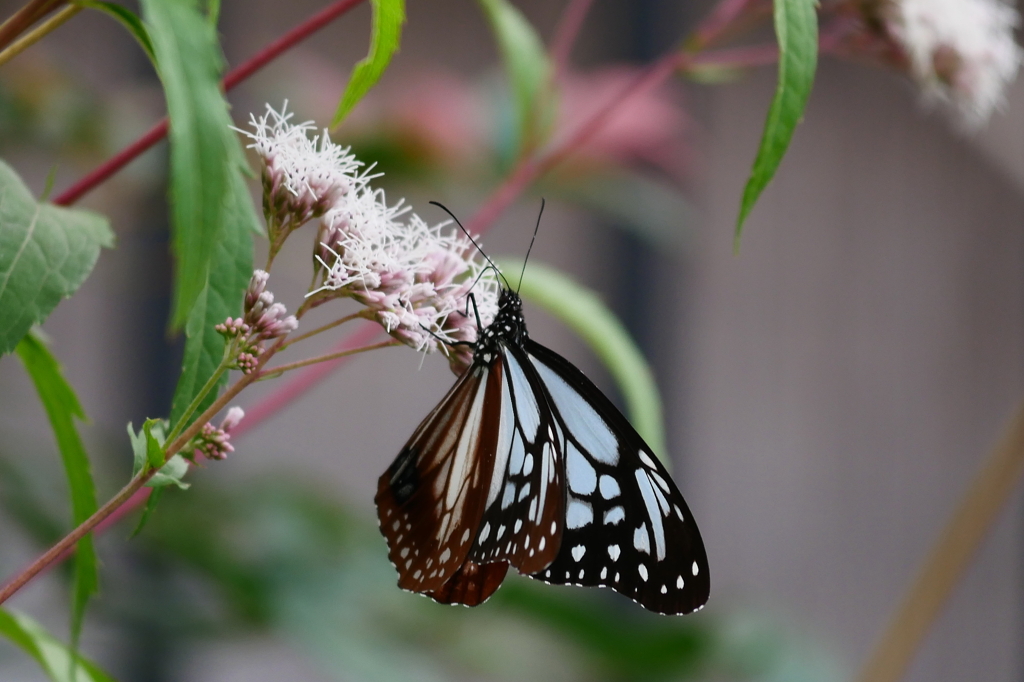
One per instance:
(430, 500)
(472, 584)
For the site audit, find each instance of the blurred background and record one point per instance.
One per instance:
(830, 391)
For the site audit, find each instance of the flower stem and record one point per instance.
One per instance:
(330, 325)
(276, 371)
(38, 33)
(68, 541)
(210, 384)
(72, 538)
(998, 478)
(233, 78)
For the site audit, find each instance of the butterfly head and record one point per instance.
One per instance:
(508, 328)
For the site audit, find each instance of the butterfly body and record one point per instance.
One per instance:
(526, 463)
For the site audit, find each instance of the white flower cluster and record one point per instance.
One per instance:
(962, 52)
(303, 176)
(415, 278)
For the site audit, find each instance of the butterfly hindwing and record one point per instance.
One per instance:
(430, 499)
(626, 524)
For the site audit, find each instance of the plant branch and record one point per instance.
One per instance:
(19, 22)
(37, 34)
(565, 35)
(65, 544)
(330, 325)
(274, 371)
(233, 78)
(998, 478)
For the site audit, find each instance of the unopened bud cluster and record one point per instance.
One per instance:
(263, 319)
(213, 442)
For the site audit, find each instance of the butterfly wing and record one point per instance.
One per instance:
(430, 500)
(626, 524)
(525, 504)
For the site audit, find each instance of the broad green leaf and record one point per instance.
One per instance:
(527, 67)
(585, 314)
(796, 30)
(54, 658)
(126, 18)
(46, 252)
(171, 473)
(385, 38)
(62, 407)
(222, 298)
(206, 157)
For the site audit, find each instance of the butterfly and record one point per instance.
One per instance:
(526, 463)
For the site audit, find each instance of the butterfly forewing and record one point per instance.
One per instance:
(522, 523)
(431, 498)
(626, 524)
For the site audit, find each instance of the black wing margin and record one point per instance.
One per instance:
(627, 526)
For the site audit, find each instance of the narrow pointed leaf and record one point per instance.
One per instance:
(385, 38)
(527, 67)
(46, 252)
(796, 30)
(54, 658)
(222, 298)
(206, 157)
(62, 408)
(590, 318)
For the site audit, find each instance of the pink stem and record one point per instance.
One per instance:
(304, 380)
(233, 78)
(565, 35)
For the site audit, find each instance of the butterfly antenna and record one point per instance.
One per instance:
(532, 240)
(486, 257)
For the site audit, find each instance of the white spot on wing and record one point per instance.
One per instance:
(613, 552)
(528, 464)
(613, 516)
(646, 459)
(578, 514)
(653, 511)
(641, 540)
(510, 494)
(445, 556)
(484, 532)
(578, 551)
(581, 474)
(695, 569)
(609, 487)
(643, 572)
(680, 582)
(524, 491)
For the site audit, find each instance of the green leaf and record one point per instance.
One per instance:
(62, 407)
(54, 658)
(154, 442)
(527, 67)
(222, 298)
(585, 314)
(46, 252)
(126, 18)
(206, 157)
(385, 37)
(171, 473)
(796, 29)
